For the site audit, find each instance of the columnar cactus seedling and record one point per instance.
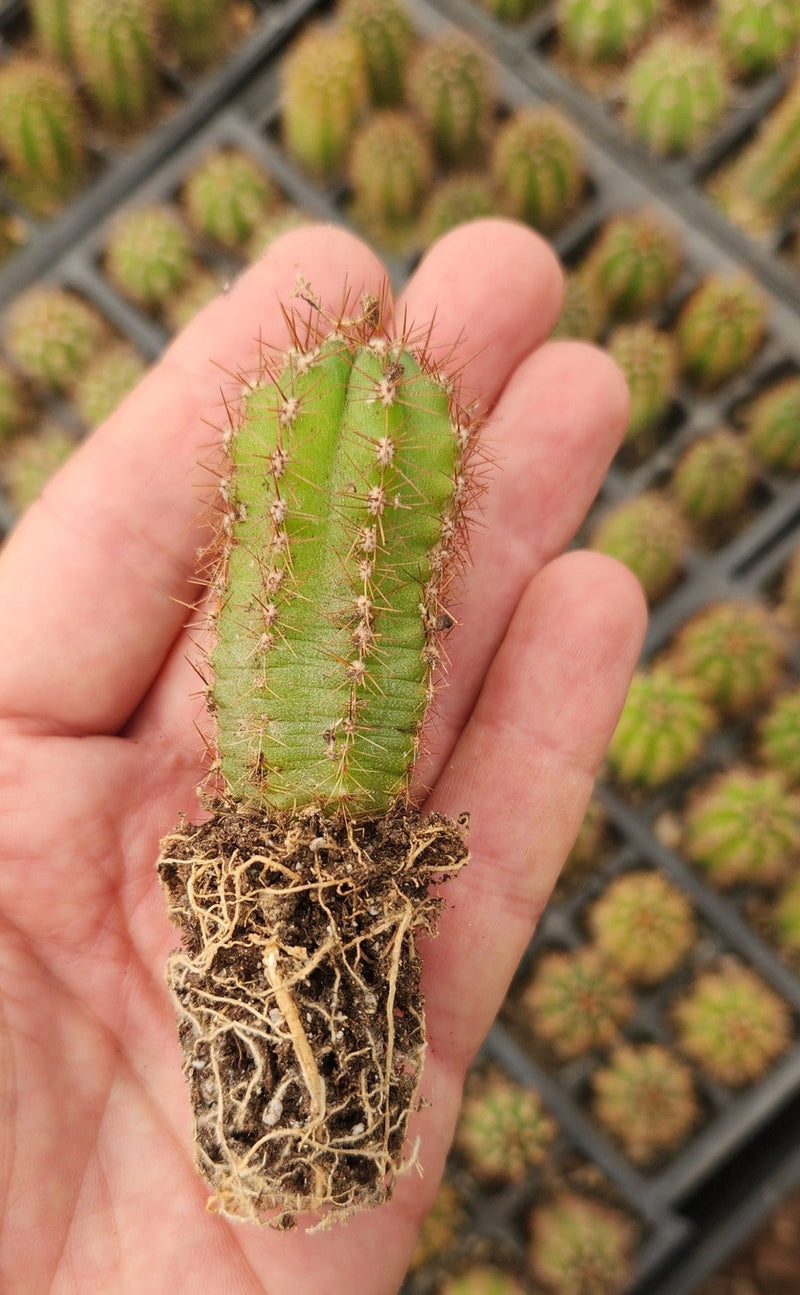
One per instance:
(772, 426)
(583, 314)
(769, 169)
(603, 31)
(537, 167)
(51, 24)
(757, 34)
(733, 652)
(649, 361)
(450, 87)
(732, 1025)
(197, 29)
(635, 262)
(721, 328)
(149, 255)
(676, 91)
(576, 1001)
(114, 44)
(41, 128)
(646, 1097)
(650, 536)
(384, 32)
(744, 827)
(30, 461)
(51, 334)
(324, 97)
(349, 476)
(481, 1280)
(661, 730)
(580, 1247)
(226, 196)
(106, 382)
(503, 1130)
(779, 736)
(643, 925)
(457, 199)
(391, 170)
(714, 477)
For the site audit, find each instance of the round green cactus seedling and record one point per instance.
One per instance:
(106, 382)
(744, 826)
(14, 405)
(576, 1001)
(29, 462)
(201, 287)
(450, 87)
(721, 328)
(324, 97)
(643, 925)
(226, 196)
(772, 426)
(756, 34)
(647, 1098)
(503, 1130)
(537, 167)
(51, 334)
(114, 46)
(733, 652)
(580, 1247)
(635, 262)
(50, 20)
(384, 32)
(391, 171)
(481, 1280)
(661, 730)
(583, 314)
(779, 736)
(713, 479)
(197, 29)
(649, 361)
(676, 92)
(280, 221)
(732, 1025)
(41, 131)
(605, 31)
(785, 917)
(650, 535)
(457, 199)
(149, 255)
(768, 169)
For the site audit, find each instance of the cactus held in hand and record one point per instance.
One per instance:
(349, 473)
(41, 130)
(721, 328)
(676, 92)
(603, 31)
(114, 44)
(384, 32)
(646, 1097)
(634, 263)
(757, 34)
(324, 97)
(226, 196)
(450, 87)
(537, 167)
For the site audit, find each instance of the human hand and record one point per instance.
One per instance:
(99, 716)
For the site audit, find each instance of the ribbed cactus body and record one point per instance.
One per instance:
(583, 314)
(634, 263)
(757, 34)
(646, 1097)
(503, 1130)
(772, 426)
(768, 171)
(714, 477)
(648, 534)
(580, 1246)
(661, 730)
(384, 32)
(537, 167)
(197, 29)
(391, 170)
(576, 1001)
(733, 652)
(41, 129)
(643, 925)
(732, 1025)
(721, 328)
(115, 51)
(649, 361)
(744, 827)
(324, 96)
(779, 736)
(605, 30)
(52, 334)
(676, 92)
(149, 255)
(459, 198)
(226, 196)
(51, 23)
(450, 87)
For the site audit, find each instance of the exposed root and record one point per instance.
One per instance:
(300, 1014)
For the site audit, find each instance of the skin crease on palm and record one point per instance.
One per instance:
(102, 749)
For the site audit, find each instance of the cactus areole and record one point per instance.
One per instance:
(300, 1014)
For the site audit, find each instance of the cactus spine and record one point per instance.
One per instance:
(603, 31)
(324, 96)
(41, 129)
(196, 28)
(537, 167)
(450, 87)
(115, 52)
(385, 35)
(676, 92)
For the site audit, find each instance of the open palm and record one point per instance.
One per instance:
(101, 751)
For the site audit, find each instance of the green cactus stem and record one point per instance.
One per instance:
(114, 44)
(583, 314)
(721, 328)
(50, 20)
(384, 32)
(661, 730)
(634, 263)
(29, 462)
(732, 1025)
(744, 827)
(605, 31)
(676, 92)
(650, 536)
(481, 1280)
(713, 479)
(647, 1099)
(197, 29)
(106, 382)
(391, 171)
(457, 199)
(503, 1130)
(757, 34)
(537, 167)
(325, 95)
(576, 1001)
(41, 131)
(768, 170)
(772, 426)
(149, 255)
(649, 361)
(643, 925)
(51, 334)
(227, 195)
(580, 1247)
(779, 736)
(733, 652)
(349, 472)
(450, 87)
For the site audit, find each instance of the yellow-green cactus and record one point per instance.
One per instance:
(732, 1025)
(647, 1098)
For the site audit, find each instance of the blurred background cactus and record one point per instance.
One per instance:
(114, 46)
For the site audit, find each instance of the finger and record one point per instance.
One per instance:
(96, 578)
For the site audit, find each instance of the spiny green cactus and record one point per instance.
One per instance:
(106, 382)
(280, 221)
(13, 405)
(324, 97)
(114, 44)
(481, 1280)
(383, 30)
(779, 736)
(643, 925)
(721, 328)
(197, 29)
(676, 91)
(459, 198)
(713, 478)
(537, 166)
(661, 730)
(772, 426)
(41, 130)
(768, 170)
(29, 462)
(603, 31)
(50, 20)
(201, 287)
(503, 1130)
(149, 255)
(576, 1001)
(51, 334)
(646, 1097)
(450, 87)
(580, 1247)
(733, 652)
(744, 826)
(785, 917)
(649, 362)
(757, 34)
(226, 196)
(650, 536)
(391, 171)
(732, 1025)
(583, 314)
(635, 262)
